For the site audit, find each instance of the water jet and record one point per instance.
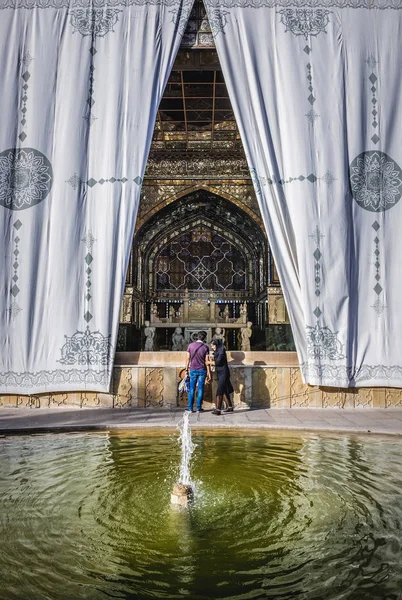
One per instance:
(183, 491)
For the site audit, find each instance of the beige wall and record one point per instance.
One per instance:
(260, 379)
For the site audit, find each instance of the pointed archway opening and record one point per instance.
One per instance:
(201, 261)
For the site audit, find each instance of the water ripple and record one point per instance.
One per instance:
(274, 516)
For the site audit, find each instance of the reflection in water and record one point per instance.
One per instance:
(309, 517)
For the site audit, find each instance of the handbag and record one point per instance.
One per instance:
(184, 385)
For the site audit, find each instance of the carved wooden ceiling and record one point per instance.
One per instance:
(195, 112)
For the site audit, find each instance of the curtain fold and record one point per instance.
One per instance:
(80, 86)
(316, 91)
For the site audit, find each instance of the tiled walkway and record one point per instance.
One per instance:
(380, 421)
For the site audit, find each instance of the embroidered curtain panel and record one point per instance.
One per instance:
(80, 86)
(316, 89)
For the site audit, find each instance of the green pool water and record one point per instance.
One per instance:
(274, 516)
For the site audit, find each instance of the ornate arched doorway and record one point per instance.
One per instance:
(200, 262)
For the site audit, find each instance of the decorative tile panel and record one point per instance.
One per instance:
(333, 398)
(153, 387)
(393, 397)
(260, 386)
(364, 398)
(237, 379)
(302, 395)
(122, 387)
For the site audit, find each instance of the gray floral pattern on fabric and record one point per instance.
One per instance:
(25, 59)
(323, 343)
(53, 378)
(379, 306)
(74, 181)
(86, 348)
(346, 375)
(180, 17)
(96, 22)
(256, 181)
(317, 236)
(89, 240)
(305, 21)
(372, 63)
(26, 178)
(327, 178)
(369, 4)
(24, 63)
(71, 4)
(375, 181)
(217, 20)
(312, 116)
(14, 309)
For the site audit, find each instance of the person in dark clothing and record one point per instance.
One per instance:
(225, 387)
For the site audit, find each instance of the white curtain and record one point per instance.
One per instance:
(80, 86)
(317, 92)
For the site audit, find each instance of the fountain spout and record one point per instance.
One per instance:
(181, 494)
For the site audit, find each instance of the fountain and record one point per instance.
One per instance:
(182, 492)
(279, 515)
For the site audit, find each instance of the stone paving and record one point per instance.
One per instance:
(377, 421)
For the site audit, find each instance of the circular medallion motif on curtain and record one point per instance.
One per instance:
(375, 181)
(26, 178)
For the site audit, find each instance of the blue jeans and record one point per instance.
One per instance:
(196, 376)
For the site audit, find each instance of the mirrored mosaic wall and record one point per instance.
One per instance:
(198, 33)
(200, 260)
(201, 242)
